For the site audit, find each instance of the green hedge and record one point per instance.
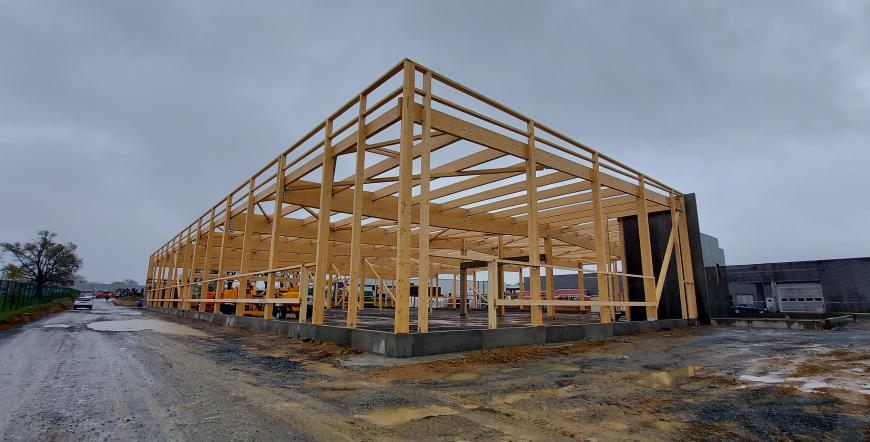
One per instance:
(16, 295)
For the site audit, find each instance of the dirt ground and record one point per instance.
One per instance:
(135, 375)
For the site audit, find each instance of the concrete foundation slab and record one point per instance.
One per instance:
(437, 342)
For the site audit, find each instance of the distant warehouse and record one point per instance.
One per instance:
(832, 285)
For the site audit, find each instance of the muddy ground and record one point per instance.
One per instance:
(108, 375)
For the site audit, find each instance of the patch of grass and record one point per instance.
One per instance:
(32, 309)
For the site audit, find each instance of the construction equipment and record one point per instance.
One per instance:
(291, 295)
(289, 304)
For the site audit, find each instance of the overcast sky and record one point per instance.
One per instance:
(120, 122)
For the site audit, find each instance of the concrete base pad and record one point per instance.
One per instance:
(437, 342)
(796, 324)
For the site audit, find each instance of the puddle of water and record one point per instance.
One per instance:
(400, 415)
(811, 384)
(343, 384)
(156, 325)
(595, 355)
(57, 326)
(669, 378)
(461, 377)
(286, 405)
(511, 398)
(615, 425)
(556, 366)
(666, 426)
(766, 379)
(559, 345)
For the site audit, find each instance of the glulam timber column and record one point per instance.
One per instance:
(149, 278)
(491, 297)
(501, 254)
(191, 268)
(158, 277)
(206, 264)
(274, 240)
(686, 255)
(423, 232)
(548, 254)
(620, 223)
(164, 279)
(600, 241)
(173, 272)
(303, 294)
(463, 284)
(222, 260)
(165, 286)
(245, 266)
(522, 286)
(649, 282)
(403, 241)
(356, 227)
(675, 225)
(463, 292)
(665, 265)
(180, 261)
(532, 203)
(323, 228)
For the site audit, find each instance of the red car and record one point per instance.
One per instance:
(104, 294)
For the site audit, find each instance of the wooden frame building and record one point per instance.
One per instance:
(434, 179)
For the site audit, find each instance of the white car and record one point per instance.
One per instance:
(84, 302)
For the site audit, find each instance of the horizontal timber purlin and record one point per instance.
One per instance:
(293, 224)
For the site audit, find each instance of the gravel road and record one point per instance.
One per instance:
(118, 373)
(60, 380)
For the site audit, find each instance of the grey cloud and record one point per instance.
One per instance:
(121, 122)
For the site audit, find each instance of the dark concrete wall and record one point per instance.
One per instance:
(845, 282)
(590, 283)
(659, 232)
(718, 292)
(710, 295)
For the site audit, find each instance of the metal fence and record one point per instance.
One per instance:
(15, 295)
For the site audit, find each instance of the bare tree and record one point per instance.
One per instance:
(43, 261)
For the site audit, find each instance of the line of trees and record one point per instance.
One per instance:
(43, 261)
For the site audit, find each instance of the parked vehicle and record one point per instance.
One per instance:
(84, 302)
(747, 308)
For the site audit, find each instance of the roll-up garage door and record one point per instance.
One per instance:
(800, 297)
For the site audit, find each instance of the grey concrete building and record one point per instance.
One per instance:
(824, 286)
